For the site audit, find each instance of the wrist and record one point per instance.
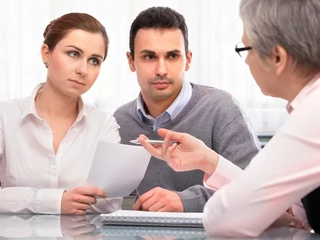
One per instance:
(210, 162)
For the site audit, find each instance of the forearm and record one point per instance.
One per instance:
(225, 172)
(30, 200)
(270, 185)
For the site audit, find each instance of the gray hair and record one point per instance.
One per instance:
(292, 24)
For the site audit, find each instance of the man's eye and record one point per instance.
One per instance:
(149, 57)
(173, 56)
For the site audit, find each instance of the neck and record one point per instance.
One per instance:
(295, 84)
(155, 109)
(54, 104)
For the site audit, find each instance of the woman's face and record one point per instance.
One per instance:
(74, 63)
(263, 71)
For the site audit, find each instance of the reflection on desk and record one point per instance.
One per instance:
(89, 227)
(147, 232)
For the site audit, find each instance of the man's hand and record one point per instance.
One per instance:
(159, 200)
(80, 199)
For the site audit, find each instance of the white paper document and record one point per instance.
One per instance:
(118, 169)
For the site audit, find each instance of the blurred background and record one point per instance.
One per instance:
(214, 29)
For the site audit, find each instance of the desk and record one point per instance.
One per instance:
(89, 227)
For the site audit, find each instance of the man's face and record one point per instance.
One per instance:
(160, 62)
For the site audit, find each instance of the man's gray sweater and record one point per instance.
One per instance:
(211, 115)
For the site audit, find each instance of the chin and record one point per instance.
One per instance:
(264, 92)
(74, 93)
(162, 96)
(270, 93)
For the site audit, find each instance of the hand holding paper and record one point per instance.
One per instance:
(118, 169)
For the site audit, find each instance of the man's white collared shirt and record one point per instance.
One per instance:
(171, 112)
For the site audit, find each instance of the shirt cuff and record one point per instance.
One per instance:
(225, 173)
(48, 201)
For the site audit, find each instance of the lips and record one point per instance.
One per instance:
(161, 84)
(77, 82)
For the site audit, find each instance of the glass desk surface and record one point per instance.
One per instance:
(27, 226)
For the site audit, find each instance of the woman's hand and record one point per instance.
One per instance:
(188, 153)
(80, 199)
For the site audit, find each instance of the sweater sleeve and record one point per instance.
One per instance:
(237, 141)
(195, 197)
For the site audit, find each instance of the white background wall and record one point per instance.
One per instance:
(214, 29)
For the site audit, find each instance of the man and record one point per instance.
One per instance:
(159, 55)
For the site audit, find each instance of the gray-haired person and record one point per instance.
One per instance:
(281, 45)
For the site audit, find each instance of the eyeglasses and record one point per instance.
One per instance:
(242, 50)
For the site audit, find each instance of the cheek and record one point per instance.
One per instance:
(253, 66)
(176, 69)
(256, 73)
(260, 77)
(59, 64)
(143, 74)
(94, 74)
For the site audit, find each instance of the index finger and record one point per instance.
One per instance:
(166, 144)
(91, 191)
(152, 149)
(143, 136)
(144, 197)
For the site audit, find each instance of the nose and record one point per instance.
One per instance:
(161, 69)
(82, 68)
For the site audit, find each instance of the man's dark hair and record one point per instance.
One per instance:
(159, 18)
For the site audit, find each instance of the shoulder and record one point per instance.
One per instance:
(15, 107)
(98, 116)
(102, 123)
(21, 102)
(215, 98)
(126, 109)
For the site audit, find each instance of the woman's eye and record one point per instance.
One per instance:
(73, 54)
(95, 61)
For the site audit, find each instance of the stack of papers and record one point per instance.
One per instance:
(143, 218)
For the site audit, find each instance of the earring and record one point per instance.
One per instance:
(45, 63)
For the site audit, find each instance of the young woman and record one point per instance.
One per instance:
(47, 140)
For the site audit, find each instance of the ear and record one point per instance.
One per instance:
(45, 52)
(188, 62)
(131, 62)
(280, 59)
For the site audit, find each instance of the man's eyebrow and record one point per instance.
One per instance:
(81, 51)
(174, 51)
(154, 53)
(148, 51)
